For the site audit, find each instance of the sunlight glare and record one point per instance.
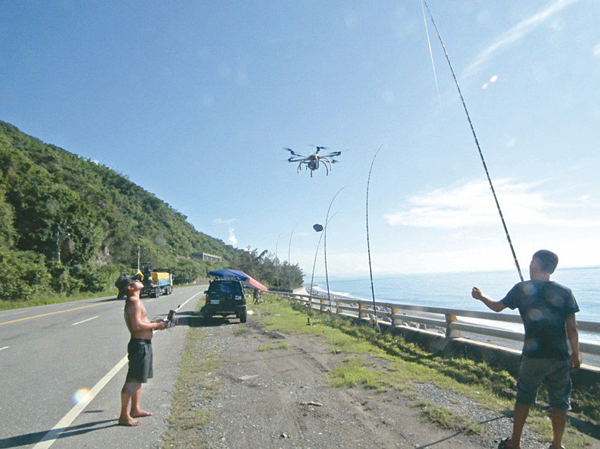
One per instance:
(81, 396)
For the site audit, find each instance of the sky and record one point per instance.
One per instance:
(195, 101)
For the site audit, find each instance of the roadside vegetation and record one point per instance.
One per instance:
(381, 363)
(388, 362)
(195, 383)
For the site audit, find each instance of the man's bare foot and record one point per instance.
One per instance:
(129, 422)
(140, 414)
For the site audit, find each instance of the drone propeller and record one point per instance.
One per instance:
(293, 152)
(296, 159)
(332, 154)
(318, 147)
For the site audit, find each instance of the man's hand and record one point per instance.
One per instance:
(476, 293)
(160, 325)
(576, 360)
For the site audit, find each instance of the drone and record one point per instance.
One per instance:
(314, 160)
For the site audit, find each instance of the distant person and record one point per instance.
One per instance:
(256, 296)
(548, 312)
(121, 283)
(139, 351)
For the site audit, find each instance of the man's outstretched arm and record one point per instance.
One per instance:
(496, 306)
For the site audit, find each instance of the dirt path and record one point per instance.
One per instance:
(270, 391)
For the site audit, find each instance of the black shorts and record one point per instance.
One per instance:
(139, 352)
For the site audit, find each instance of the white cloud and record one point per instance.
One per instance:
(472, 205)
(516, 33)
(492, 80)
(232, 238)
(511, 143)
(597, 50)
(224, 222)
(350, 19)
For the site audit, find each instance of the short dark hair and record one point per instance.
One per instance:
(548, 260)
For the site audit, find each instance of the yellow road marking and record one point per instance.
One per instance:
(52, 313)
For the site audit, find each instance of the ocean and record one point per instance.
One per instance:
(453, 290)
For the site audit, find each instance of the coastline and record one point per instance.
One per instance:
(590, 360)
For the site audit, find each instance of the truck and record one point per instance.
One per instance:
(156, 282)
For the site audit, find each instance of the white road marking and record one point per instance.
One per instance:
(13, 313)
(6, 347)
(64, 423)
(199, 293)
(68, 419)
(89, 319)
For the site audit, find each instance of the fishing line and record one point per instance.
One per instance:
(312, 278)
(325, 245)
(369, 240)
(462, 99)
(277, 260)
(431, 56)
(289, 270)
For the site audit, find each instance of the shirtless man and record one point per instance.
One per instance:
(139, 351)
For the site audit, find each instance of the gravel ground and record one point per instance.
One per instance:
(281, 398)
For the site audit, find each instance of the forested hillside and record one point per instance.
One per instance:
(68, 224)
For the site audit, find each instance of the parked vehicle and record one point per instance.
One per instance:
(225, 297)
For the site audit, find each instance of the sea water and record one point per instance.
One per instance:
(453, 290)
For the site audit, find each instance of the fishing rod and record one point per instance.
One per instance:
(462, 99)
(369, 240)
(325, 245)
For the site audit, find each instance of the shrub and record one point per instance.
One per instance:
(23, 275)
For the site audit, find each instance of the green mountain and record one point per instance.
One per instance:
(68, 224)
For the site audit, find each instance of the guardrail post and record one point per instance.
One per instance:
(322, 306)
(451, 333)
(337, 307)
(361, 309)
(394, 319)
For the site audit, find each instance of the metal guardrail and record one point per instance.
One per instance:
(440, 319)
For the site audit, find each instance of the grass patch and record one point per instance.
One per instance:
(273, 347)
(194, 385)
(488, 387)
(407, 361)
(448, 419)
(356, 371)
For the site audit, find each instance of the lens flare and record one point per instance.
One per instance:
(82, 396)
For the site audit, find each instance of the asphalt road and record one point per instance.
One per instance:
(47, 353)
